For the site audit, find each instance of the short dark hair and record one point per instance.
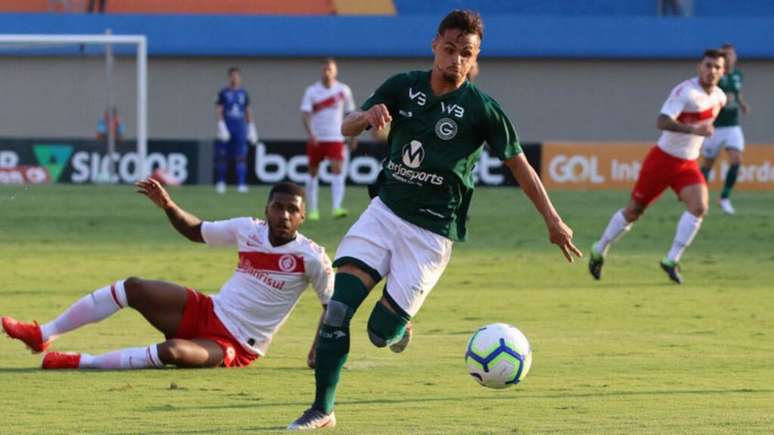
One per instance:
(289, 188)
(233, 69)
(328, 60)
(713, 53)
(464, 20)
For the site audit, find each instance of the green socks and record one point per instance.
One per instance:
(333, 343)
(705, 172)
(733, 172)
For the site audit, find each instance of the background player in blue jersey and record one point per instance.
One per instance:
(235, 129)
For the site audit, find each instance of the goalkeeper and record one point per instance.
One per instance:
(235, 129)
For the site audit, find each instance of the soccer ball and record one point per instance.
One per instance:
(498, 356)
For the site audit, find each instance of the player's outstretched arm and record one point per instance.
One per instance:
(378, 116)
(558, 232)
(185, 223)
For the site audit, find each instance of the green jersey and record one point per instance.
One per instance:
(434, 144)
(731, 84)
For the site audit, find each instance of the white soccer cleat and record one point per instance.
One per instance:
(725, 205)
(242, 188)
(313, 419)
(220, 187)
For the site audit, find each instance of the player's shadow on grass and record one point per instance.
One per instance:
(255, 406)
(12, 370)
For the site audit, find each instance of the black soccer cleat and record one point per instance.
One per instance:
(596, 260)
(672, 269)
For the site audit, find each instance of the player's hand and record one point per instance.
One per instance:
(155, 192)
(561, 235)
(705, 130)
(378, 116)
(252, 134)
(352, 144)
(223, 134)
(310, 357)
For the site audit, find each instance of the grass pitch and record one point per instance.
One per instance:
(632, 353)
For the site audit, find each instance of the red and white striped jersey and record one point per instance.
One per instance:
(688, 103)
(268, 280)
(327, 106)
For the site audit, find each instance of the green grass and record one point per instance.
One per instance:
(630, 354)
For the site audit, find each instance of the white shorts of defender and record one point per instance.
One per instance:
(724, 137)
(410, 258)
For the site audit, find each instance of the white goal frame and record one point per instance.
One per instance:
(141, 43)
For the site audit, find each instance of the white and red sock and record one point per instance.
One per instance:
(337, 190)
(616, 228)
(312, 185)
(687, 228)
(91, 308)
(124, 359)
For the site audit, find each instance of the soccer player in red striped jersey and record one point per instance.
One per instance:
(233, 327)
(685, 120)
(323, 108)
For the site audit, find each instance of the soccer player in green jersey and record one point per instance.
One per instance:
(439, 121)
(728, 133)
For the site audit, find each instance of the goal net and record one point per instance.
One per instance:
(87, 90)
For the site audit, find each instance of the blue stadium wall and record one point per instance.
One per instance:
(511, 36)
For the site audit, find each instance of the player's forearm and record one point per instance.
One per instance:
(664, 122)
(354, 123)
(185, 223)
(306, 120)
(532, 187)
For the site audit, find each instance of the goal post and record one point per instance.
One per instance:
(141, 45)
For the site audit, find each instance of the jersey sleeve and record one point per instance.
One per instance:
(247, 100)
(499, 132)
(221, 233)
(320, 276)
(349, 101)
(388, 94)
(306, 101)
(675, 103)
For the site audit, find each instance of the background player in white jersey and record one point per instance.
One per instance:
(235, 129)
(233, 327)
(323, 107)
(728, 131)
(685, 120)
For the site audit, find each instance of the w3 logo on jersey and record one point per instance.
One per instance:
(413, 154)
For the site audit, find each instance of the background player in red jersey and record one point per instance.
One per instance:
(233, 327)
(685, 120)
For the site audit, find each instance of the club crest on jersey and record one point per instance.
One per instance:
(287, 263)
(413, 154)
(446, 128)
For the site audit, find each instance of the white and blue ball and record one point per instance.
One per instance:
(498, 356)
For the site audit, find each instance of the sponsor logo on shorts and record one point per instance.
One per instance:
(446, 128)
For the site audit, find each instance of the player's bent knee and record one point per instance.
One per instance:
(172, 351)
(385, 326)
(133, 286)
(337, 314)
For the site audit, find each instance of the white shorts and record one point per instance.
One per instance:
(724, 137)
(411, 258)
